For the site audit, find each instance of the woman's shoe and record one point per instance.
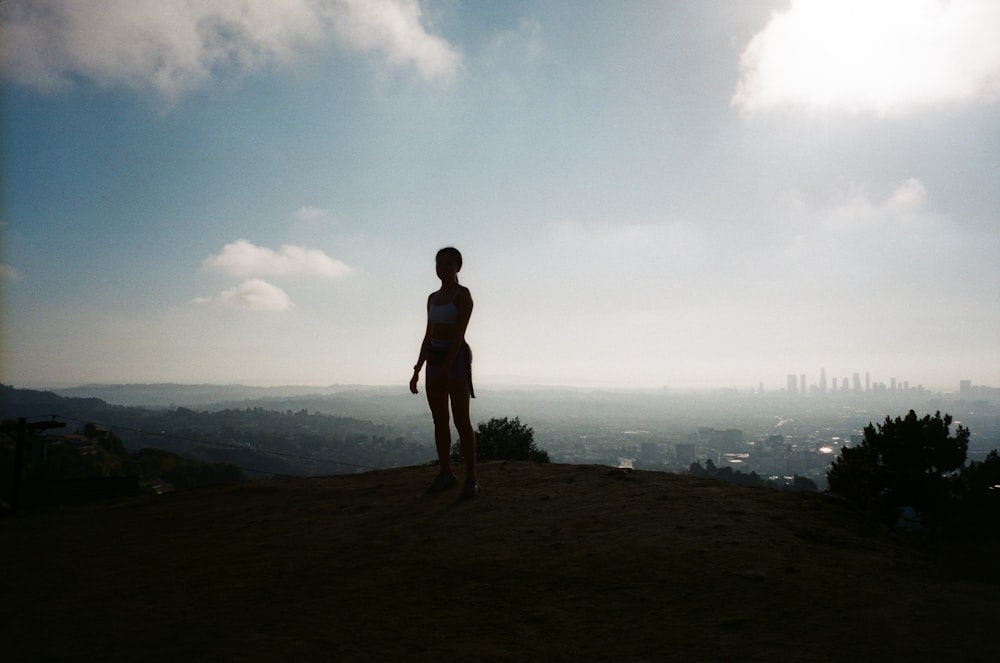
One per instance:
(470, 489)
(442, 483)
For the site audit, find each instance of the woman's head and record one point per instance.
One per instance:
(448, 262)
(452, 253)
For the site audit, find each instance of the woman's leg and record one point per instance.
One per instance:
(459, 391)
(436, 388)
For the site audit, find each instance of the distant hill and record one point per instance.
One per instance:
(194, 395)
(16, 403)
(261, 441)
(551, 562)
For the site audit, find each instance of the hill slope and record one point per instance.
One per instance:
(552, 562)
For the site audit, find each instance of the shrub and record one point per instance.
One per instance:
(504, 439)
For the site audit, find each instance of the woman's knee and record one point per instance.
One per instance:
(441, 417)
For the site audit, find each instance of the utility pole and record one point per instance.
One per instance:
(21, 452)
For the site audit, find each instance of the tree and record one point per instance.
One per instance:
(803, 484)
(504, 439)
(977, 495)
(906, 462)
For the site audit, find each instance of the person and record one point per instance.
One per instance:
(449, 372)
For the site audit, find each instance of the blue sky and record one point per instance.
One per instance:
(682, 194)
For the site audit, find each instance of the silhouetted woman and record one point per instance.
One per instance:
(449, 371)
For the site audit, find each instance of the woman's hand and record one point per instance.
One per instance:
(413, 382)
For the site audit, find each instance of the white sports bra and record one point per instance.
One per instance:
(443, 313)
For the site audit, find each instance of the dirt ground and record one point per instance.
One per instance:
(551, 562)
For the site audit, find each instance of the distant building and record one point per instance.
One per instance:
(793, 385)
(685, 454)
(729, 440)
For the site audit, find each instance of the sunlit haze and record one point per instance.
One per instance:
(646, 194)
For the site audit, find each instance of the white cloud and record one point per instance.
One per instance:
(9, 273)
(309, 213)
(864, 240)
(175, 46)
(243, 258)
(911, 194)
(886, 57)
(251, 295)
(394, 29)
(857, 216)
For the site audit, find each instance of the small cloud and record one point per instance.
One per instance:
(174, 47)
(311, 214)
(243, 258)
(525, 43)
(9, 272)
(251, 295)
(877, 56)
(911, 194)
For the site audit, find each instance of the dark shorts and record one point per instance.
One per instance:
(462, 368)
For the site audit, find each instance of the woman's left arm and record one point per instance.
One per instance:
(463, 304)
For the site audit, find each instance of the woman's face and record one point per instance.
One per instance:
(446, 267)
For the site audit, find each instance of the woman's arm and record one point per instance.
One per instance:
(421, 356)
(463, 304)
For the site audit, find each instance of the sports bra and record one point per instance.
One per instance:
(443, 313)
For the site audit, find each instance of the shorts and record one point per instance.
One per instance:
(462, 368)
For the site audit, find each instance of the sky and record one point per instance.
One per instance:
(681, 194)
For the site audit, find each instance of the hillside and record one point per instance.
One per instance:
(552, 562)
(261, 442)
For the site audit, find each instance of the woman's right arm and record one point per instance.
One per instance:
(421, 356)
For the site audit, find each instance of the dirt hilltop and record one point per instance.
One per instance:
(551, 562)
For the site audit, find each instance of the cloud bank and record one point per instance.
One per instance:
(243, 258)
(886, 57)
(177, 46)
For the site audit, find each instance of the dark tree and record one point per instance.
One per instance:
(803, 484)
(504, 439)
(906, 462)
(977, 492)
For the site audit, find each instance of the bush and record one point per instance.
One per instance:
(504, 439)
